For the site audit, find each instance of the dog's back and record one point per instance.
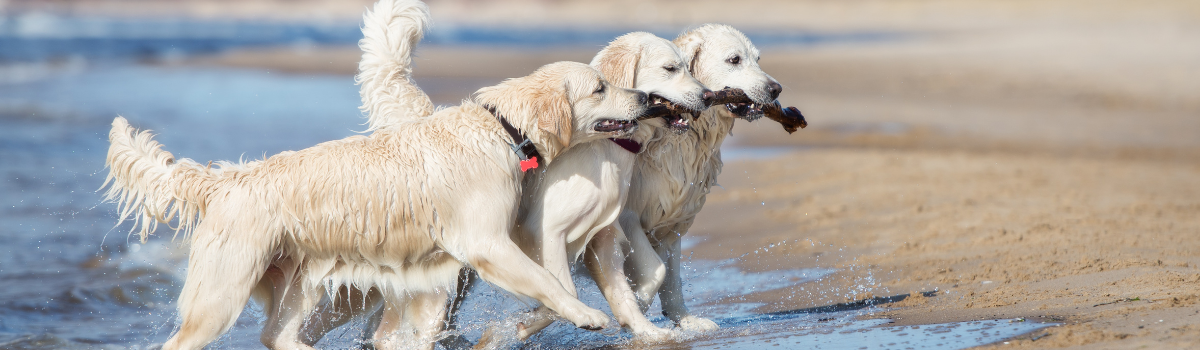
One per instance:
(384, 198)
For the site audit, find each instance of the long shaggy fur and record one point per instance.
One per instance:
(399, 211)
(149, 186)
(673, 174)
(581, 195)
(390, 34)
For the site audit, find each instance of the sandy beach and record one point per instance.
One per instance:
(997, 160)
(1024, 160)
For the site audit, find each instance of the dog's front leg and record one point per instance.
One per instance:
(671, 291)
(643, 267)
(605, 259)
(553, 247)
(500, 262)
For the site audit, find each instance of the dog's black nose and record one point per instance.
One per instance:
(708, 97)
(641, 97)
(774, 89)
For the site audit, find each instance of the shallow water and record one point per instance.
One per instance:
(71, 280)
(37, 36)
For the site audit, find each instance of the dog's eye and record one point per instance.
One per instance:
(670, 69)
(599, 90)
(734, 60)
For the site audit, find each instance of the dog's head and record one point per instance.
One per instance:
(645, 62)
(564, 104)
(722, 57)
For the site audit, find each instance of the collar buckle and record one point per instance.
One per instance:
(521, 145)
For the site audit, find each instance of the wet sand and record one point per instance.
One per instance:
(1035, 160)
(1105, 245)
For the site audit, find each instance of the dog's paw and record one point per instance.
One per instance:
(653, 334)
(590, 319)
(697, 324)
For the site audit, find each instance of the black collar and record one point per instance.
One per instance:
(629, 145)
(521, 145)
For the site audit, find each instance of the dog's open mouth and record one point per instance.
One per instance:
(616, 126)
(672, 113)
(677, 123)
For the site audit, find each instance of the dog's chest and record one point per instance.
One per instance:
(678, 172)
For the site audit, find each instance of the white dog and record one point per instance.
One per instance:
(673, 174)
(399, 211)
(670, 179)
(577, 199)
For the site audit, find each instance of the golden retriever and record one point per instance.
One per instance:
(399, 211)
(575, 202)
(673, 174)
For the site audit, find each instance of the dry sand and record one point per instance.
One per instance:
(1036, 159)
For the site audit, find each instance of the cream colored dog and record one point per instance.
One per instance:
(575, 202)
(673, 174)
(399, 211)
(576, 198)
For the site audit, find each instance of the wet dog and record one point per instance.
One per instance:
(673, 174)
(574, 203)
(399, 211)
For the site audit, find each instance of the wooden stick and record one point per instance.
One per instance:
(730, 95)
(790, 117)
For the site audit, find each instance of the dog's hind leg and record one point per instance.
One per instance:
(411, 321)
(426, 312)
(605, 259)
(291, 306)
(349, 303)
(221, 274)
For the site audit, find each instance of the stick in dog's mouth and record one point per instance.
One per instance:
(741, 105)
(738, 103)
(672, 113)
(616, 126)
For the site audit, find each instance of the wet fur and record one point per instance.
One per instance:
(398, 211)
(579, 197)
(673, 174)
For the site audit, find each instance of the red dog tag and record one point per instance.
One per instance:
(527, 164)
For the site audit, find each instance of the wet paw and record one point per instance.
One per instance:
(697, 324)
(652, 333)
(590, 319)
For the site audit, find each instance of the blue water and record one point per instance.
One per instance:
(65, 271)
(70, 280)
(38, 36)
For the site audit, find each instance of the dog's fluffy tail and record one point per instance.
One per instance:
(148, 184)
(391, 32)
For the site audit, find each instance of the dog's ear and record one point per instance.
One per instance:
(619, 61)
(690, 44)
(554, 114)
(537, 102)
